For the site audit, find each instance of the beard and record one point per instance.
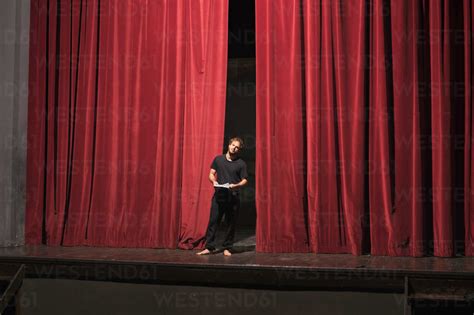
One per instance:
(232, 153)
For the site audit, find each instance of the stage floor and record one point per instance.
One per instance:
(417, 278)
(246, 268)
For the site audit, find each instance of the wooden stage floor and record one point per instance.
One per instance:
(417, 278)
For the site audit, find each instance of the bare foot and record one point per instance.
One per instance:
(227, 253)
(204, 252)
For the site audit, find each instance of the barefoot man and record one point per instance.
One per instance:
(226, 169)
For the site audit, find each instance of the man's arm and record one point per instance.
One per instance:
(243, 182)
(213, 176)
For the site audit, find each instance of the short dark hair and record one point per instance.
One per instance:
(237, 139)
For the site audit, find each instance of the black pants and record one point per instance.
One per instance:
(224, 202)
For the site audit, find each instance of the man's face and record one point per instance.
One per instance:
(234, 147)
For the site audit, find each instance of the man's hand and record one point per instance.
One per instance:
(243, 182)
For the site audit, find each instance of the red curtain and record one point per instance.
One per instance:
(280, 149)
(126, 109)
(364, 127)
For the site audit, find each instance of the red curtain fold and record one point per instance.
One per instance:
(376, 83)
(204, 116)
(334, 87)
(125, 112)
(395, 179)
(280, 187)
(441, 111)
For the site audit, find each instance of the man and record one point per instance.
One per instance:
(226, 169)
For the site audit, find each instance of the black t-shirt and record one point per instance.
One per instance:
(231, 172)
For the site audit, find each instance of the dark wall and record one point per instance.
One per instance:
(241, 95)
(44, 296)
(242, 29)
(240, 121)
(14, 54)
